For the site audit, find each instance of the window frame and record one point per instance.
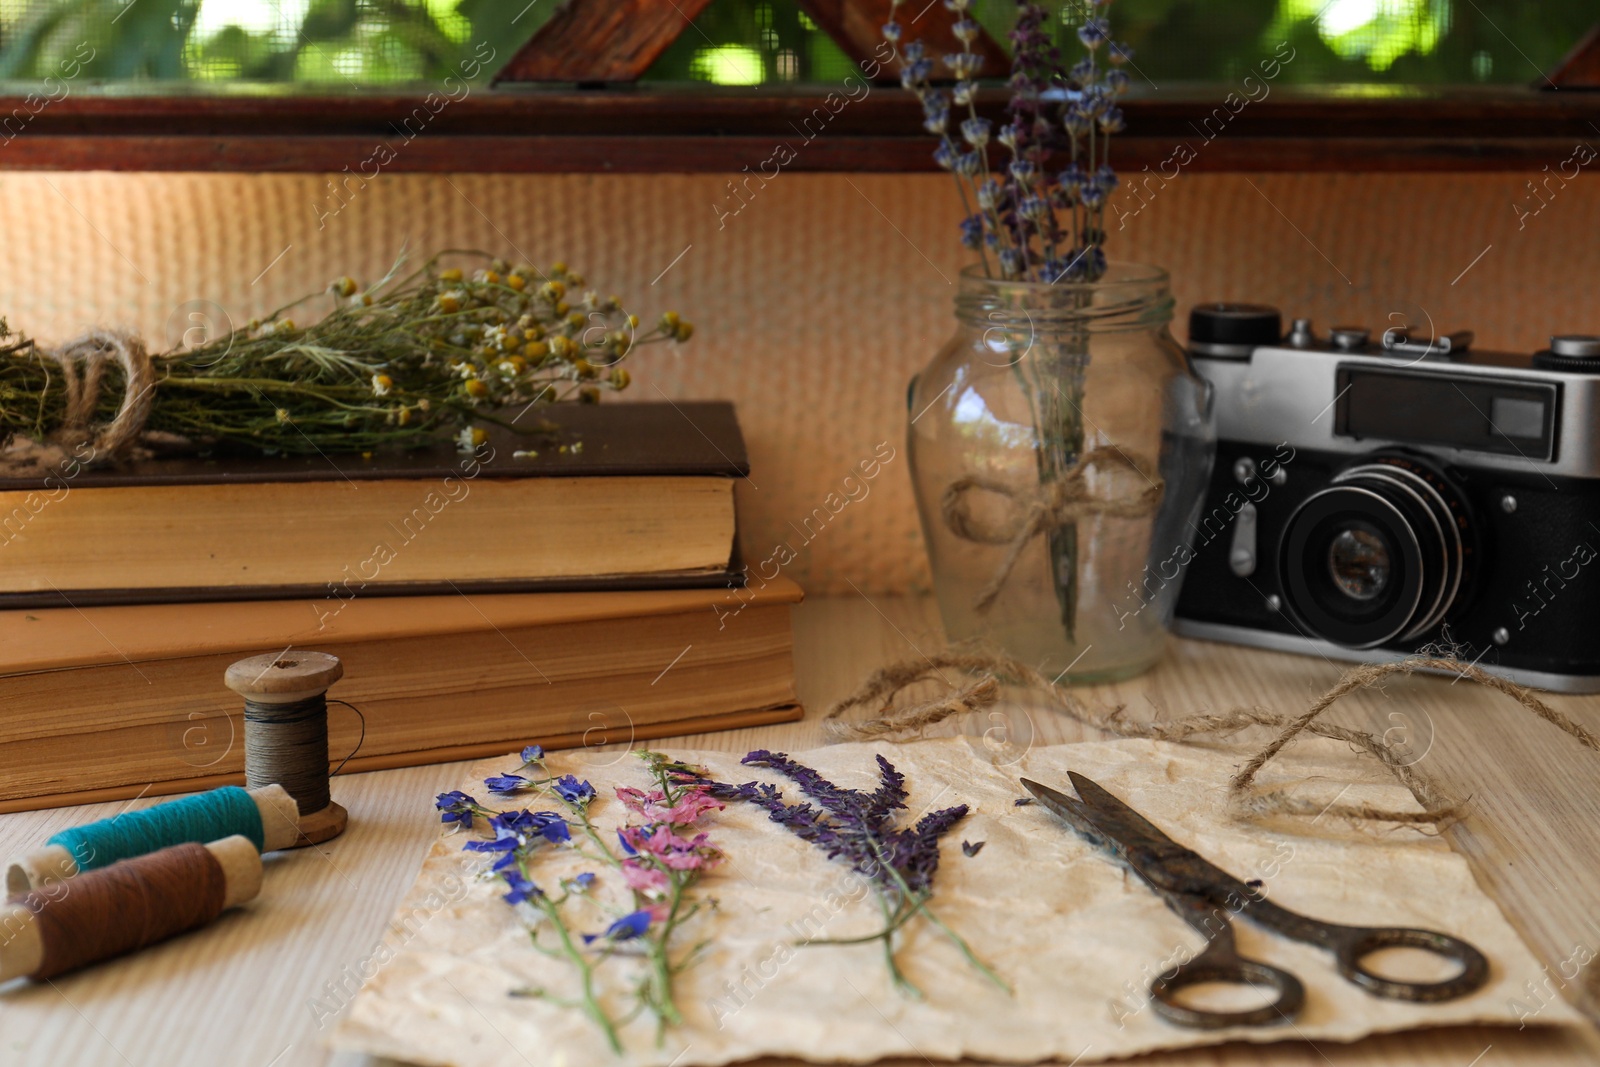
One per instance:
(648, 128)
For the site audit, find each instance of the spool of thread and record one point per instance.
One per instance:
(267, 817)
(286, 732)
(124, 907)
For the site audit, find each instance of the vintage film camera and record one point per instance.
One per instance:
(1375, 495)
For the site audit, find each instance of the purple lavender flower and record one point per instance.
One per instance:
(1094, 32)
(1119, 53)
(972, 231)
(851, 825)
(1117, 81)
(964, 65)
(1111, 120)
(975, 131)
(935, 111)
(892, 31)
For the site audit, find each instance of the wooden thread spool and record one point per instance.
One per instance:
(286, 733)
(124, 907)
(268, 816)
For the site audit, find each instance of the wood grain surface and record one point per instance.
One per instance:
(259, 988)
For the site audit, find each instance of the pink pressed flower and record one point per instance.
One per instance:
(652, 881)
(638, 801)
(695, 803)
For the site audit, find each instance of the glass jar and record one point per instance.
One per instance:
(1060, 446)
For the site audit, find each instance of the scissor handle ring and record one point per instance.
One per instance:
(1357, 943)
(1230, 970)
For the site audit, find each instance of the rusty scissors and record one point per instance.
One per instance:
(1206, 897)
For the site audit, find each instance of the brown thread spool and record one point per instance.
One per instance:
(124, 907)
(286, 733)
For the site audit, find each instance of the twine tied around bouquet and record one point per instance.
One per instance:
(83, 363)
(989, 671)
(1055, 504)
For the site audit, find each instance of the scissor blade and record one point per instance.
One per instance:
(1154, 856)
(1068, 809)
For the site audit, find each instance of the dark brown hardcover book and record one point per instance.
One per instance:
(579, 497)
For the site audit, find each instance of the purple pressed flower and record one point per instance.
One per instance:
(532, 754)
(583, 881)
(505, 783)
(455, 806)
(530, 824)
(629, 849)
(624, 929)
(573, 791)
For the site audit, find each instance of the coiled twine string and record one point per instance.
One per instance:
(128, 906)
(207, 816)
(288, 744)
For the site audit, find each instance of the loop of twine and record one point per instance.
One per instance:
(990, 671)
(83, 365)
(1054, 504)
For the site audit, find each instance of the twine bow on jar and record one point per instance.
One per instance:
(1051, 506)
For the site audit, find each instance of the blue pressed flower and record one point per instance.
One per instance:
(455, 806)
(976, 131)
(1094, 33)
(522, 887)
(583, 881)
(629, 849)
(546, 824)
(505, 783)
(532, 754)
(891, 31)
(626, 928)
(573, 791)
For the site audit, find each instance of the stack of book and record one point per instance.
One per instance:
(580, 586)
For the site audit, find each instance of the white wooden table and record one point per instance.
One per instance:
(258, 987)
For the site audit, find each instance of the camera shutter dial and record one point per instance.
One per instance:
(1233, 330)
(1579, 352)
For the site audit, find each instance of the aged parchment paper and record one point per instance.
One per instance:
(1076, 937)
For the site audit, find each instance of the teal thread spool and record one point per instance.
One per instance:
(268, 817)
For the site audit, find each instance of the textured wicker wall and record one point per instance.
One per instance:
(814, 303)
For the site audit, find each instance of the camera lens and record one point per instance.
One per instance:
(1358, 560)
(1379, 555)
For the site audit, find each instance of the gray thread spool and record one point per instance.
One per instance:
(286, 732)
